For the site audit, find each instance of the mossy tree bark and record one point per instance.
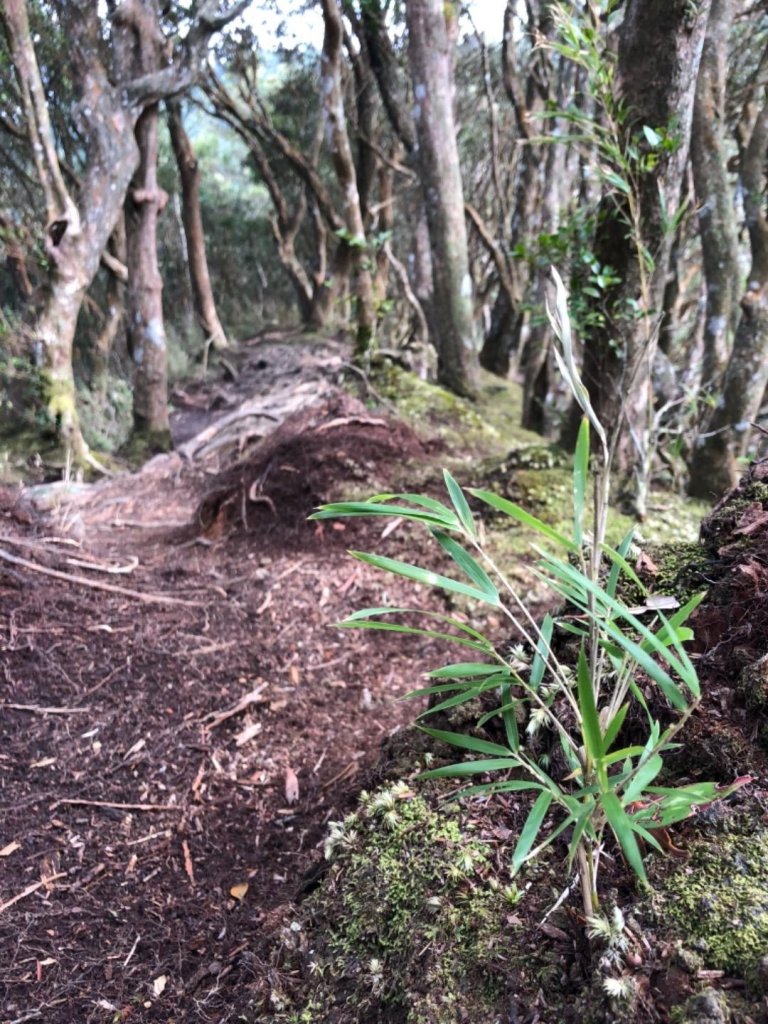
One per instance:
(192, 219)
(659, 51)
(714, 198)
(431, 25)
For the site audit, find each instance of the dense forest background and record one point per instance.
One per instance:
(178, 176)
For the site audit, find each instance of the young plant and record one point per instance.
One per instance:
(609, 787)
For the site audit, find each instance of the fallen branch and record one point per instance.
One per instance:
(37, 709)
(114, 806)
(82, 581)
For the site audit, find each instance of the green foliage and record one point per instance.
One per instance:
(610, 786)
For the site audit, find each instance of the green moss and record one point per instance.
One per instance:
(405, 927)
(718, 902)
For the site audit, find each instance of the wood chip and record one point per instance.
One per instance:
(215, 718)
(291, 786)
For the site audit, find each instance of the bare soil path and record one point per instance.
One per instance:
(179, 719)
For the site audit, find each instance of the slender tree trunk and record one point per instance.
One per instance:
(344, 165)
(714, 466)
(115, 309)
(430, 49)
(192, 219)
(146, 327)
(714, 200)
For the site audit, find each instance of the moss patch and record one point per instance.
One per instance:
(718, 902)
(406, 927)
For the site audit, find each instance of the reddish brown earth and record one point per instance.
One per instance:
(180, 719)
(171, 755)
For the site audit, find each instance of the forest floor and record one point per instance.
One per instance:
(179, 717)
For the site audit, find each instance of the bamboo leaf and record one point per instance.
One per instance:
(531, 829)
(621, 827)
(471, 768)
(349, 509)
(463, 510)
(464, 670)
(580, 478)
(539, 663)
(460, 739)
(590, 720)
(614, 727)
(521, 516)
(644, 776)
(468, 565)
(426, 577)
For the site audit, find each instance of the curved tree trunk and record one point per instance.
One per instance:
(192, 219)
(430, 46)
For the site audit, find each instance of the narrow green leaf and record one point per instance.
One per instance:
(621, 827)
(464, 669)
(468, 565)
(350, 509)
(521, 516)
(613, 179)
(580, 479)
(614, 726)
(644, 776)
(463, 510)
(618, 559)
(590, 720)
(619, 755)
(489, 788)
(471, 768)
(460, 739)
(531, 829)
(541, 654)
(623, 550)
(426, 577)
(452, 702)
(509, 718)
(394, 627)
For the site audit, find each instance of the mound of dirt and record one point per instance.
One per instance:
(324, 452)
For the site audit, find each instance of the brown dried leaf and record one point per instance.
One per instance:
(10, 848)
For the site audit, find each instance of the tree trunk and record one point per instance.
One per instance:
(192, 219)
(713, 466)
(146, 329)
(714, 200)
(107, 108)
(430, 47)
(660, 45)
(115, 311)
(344, 165)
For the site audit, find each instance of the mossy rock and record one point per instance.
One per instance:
(718, 903)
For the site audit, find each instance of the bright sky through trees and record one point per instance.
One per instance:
(293, 22)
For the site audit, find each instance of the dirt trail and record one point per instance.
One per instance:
(180, 722)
